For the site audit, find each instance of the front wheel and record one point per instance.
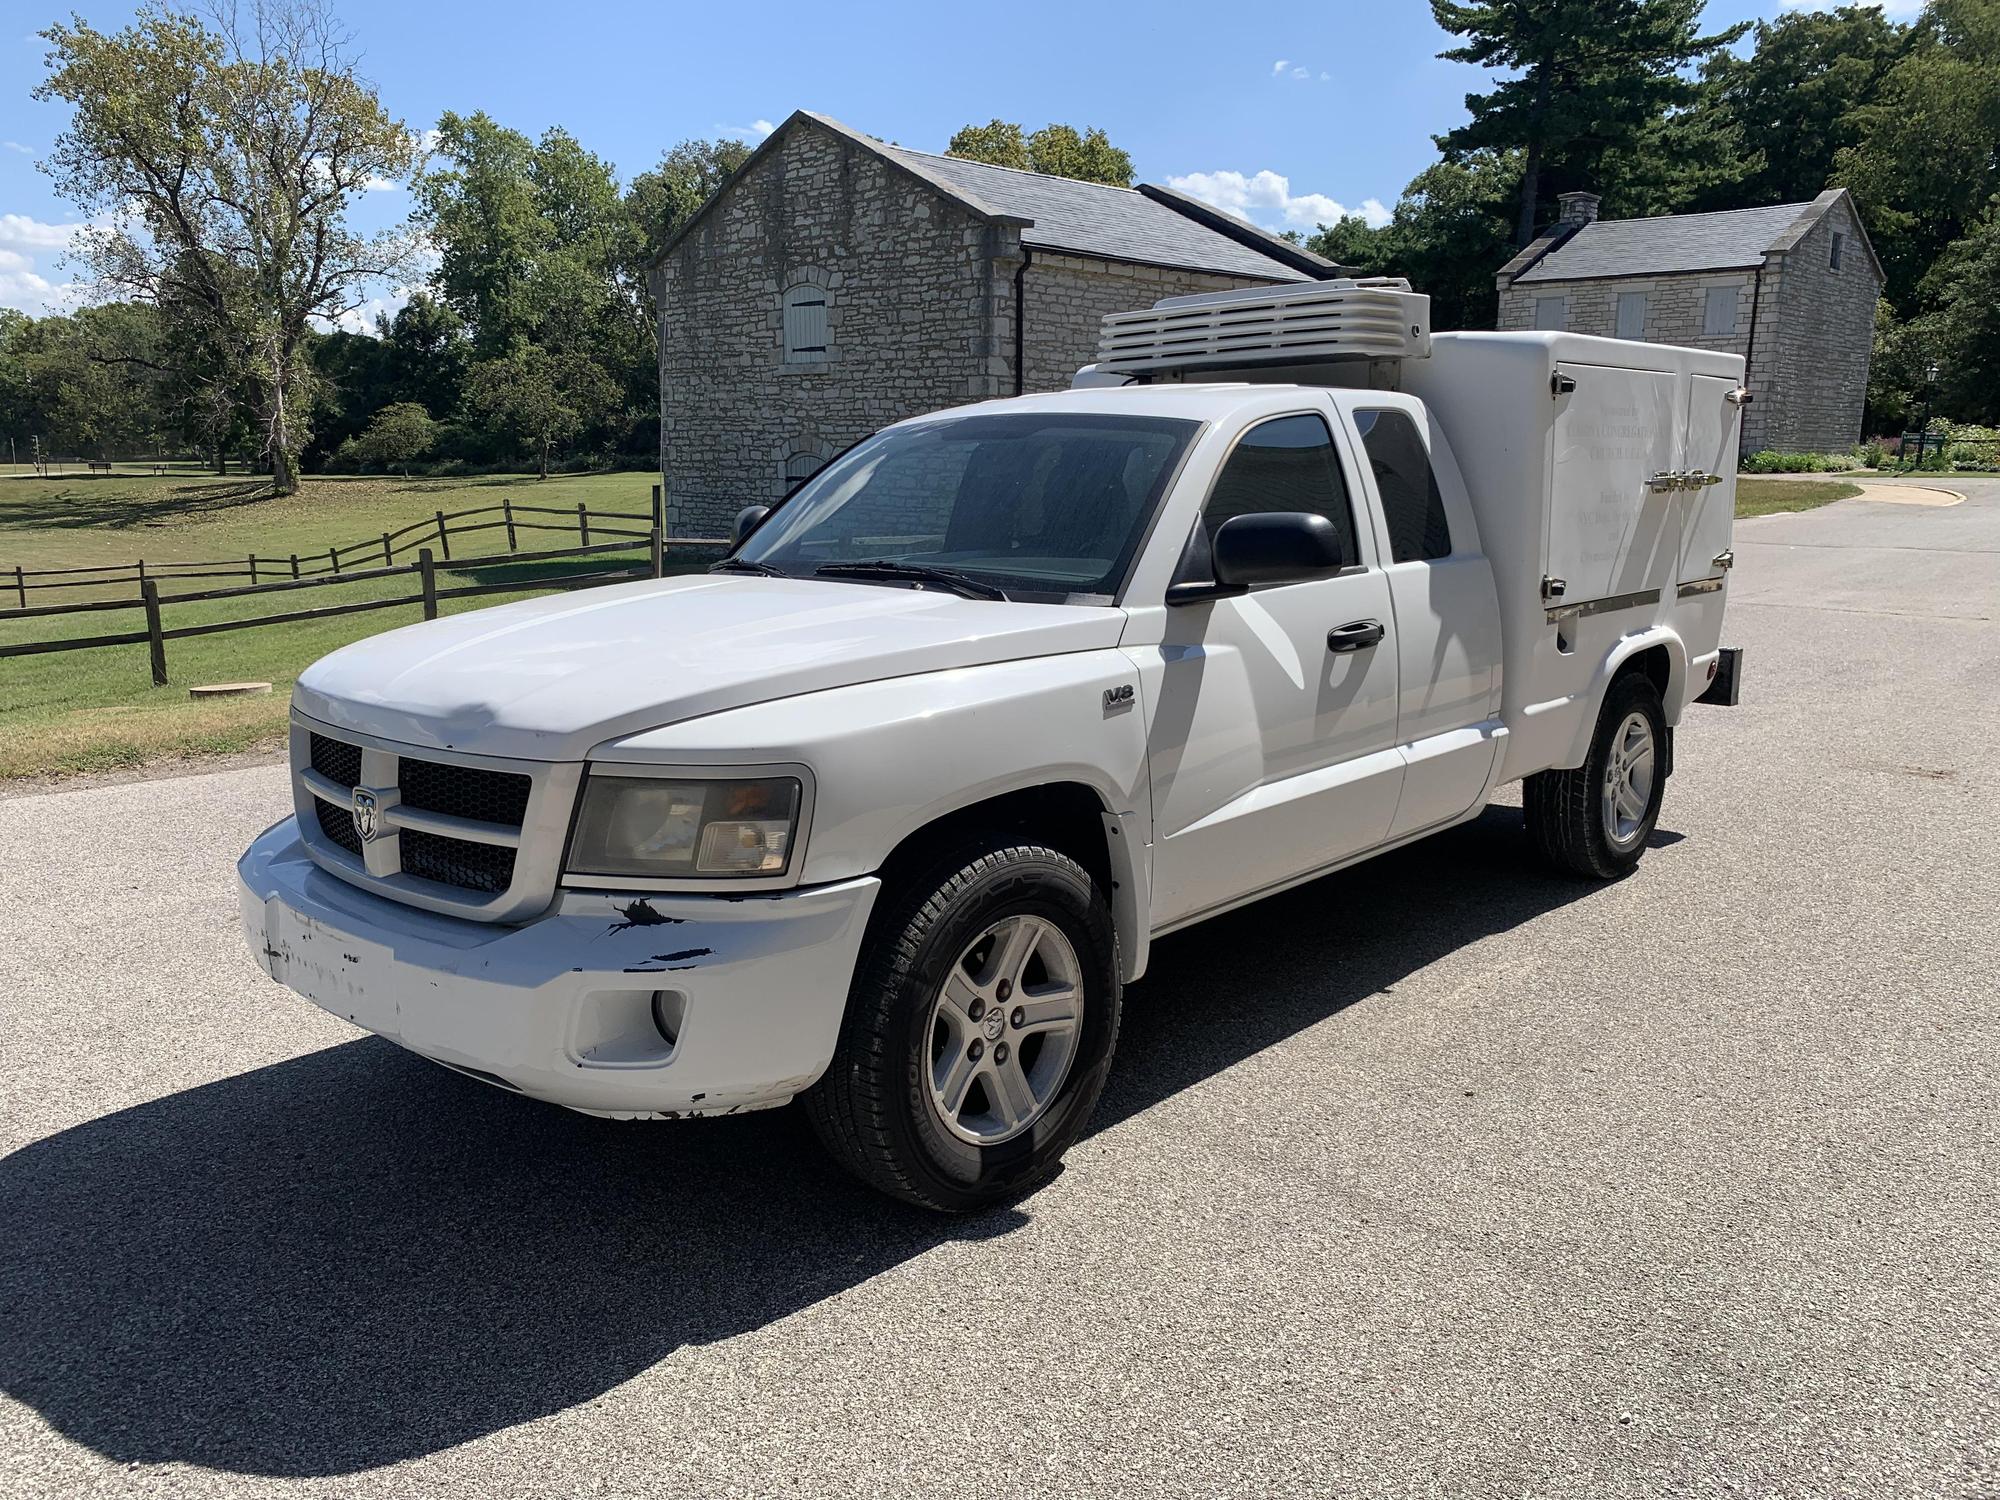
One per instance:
(1595, 820)
(978, 1032)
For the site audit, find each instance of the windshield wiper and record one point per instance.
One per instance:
(746, 565)
(962, 584)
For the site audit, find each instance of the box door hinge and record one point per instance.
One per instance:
(1553, 589)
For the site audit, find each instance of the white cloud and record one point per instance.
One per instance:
(1278, 68)
(17, 146)
(381, 185)
(756, 130)
(1267, 199)
(29, 248)
(1284, 67)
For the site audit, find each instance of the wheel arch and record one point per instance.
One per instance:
(1071, 817)
(1660, 655)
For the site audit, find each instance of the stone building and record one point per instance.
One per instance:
(1791, 287)
(836, 284)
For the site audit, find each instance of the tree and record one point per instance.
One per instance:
(1588, 76)
(544, 400)
(398, 433)
(1059, 150)
(427, 353)
(1961, 332)
(998, 143)
(477, 204)
(1793, 103)
(1090, 157)
(1450, 232)
(659, 202)
(1924, 165)
(228, 159)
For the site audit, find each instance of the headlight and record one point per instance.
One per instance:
(642, 825)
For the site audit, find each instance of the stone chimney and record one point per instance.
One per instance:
(1576, 209)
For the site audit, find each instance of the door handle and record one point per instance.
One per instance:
(1356, 635)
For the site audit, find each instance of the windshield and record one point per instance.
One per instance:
(1035, 503)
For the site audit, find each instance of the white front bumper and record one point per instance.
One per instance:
(563, 1008)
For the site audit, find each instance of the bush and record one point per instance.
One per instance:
(1769, 462)
(1870, 455)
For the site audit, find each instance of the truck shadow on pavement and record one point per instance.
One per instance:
(351, 1258)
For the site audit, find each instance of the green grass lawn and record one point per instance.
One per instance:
(97, 709)
(1763, 497)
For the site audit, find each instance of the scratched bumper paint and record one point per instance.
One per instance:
(562, 1008)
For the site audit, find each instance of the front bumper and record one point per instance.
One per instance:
(569, 1008)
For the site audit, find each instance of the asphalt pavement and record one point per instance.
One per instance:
(1438, 1177)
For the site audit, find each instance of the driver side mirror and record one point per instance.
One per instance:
(748, 520)
(1266, 547)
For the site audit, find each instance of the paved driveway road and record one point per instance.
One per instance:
(1437, 1177)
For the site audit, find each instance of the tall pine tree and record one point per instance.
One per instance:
(1586, 77)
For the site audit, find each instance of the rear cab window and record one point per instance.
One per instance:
(1412, 504)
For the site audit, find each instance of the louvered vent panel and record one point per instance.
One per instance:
(1378, 318)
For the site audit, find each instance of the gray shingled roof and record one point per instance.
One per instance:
(1660, 246)
(1093, 219)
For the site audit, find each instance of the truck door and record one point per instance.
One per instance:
(1273, 739)
(1708, 511)
(1611, 532)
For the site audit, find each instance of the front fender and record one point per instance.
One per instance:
(890, 757)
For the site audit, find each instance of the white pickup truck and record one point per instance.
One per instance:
(885, 810)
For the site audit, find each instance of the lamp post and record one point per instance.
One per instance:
(1924, 427)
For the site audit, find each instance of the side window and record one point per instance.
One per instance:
(1287, 463)
(805, 324)
(1411, 502)
(1833, 257)
(1552, 313)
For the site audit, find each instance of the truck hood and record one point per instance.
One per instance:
(548, 678)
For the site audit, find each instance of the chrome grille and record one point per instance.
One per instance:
(468, 835)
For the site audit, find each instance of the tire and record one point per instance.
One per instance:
(907, 1040)
(1573, 816)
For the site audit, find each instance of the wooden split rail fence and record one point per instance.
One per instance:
(292, 574)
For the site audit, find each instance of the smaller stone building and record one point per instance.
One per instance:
(836, 283)
(1791, 287)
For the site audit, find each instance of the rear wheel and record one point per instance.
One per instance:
(978, 1032)
(1596, 819)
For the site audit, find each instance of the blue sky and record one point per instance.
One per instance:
(1285, 113)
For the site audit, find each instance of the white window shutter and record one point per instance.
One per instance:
(1552, 313)
(805, 323)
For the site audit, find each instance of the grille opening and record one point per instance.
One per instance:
(337, 823)
(465, 791)
(338, 761)
(459, 862)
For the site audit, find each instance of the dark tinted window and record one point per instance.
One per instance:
(1287, 463)
(1410, 499)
